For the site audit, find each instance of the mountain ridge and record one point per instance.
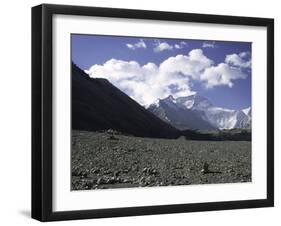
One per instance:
(99, 105)
(208, 116)
(180, 117)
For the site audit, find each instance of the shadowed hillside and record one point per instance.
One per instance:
(98, 105)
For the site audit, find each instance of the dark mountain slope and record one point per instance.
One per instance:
(98, 105)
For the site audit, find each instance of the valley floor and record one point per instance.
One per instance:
(107, 159)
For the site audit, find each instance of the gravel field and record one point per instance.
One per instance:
(108, 159)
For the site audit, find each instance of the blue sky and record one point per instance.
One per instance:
(150, 68)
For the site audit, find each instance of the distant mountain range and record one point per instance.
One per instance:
(198, 113)
(97, 105)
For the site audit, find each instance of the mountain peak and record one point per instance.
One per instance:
(247, 111)
(173, 109)
(195, 101)
(169, 98)
(169, 101)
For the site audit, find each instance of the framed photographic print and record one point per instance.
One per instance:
(146, 112)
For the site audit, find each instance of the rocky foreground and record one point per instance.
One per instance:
(109, 159)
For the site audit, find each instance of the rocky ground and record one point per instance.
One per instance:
(111, 160)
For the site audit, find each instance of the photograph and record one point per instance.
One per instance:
(140, 112)
(156, 111)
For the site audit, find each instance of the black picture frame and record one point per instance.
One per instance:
(42, 111)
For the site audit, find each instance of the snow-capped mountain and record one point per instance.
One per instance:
(248, 121)
(181, 117)
(197, 112)
(248, 111)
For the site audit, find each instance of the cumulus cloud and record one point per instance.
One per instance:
(245, 54)
(209, 44)
(221, 74)
(190, 65)
(174, 76)
(180, 45)
(162, 46)
(137, 45)
(239, 60)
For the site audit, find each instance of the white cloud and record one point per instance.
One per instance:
(239, 60)
(209, 44)
(190, 65)
(180, 45)
(137, 45)
(161, 46)
(221, 74)
(174, 76)
(244, 54)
